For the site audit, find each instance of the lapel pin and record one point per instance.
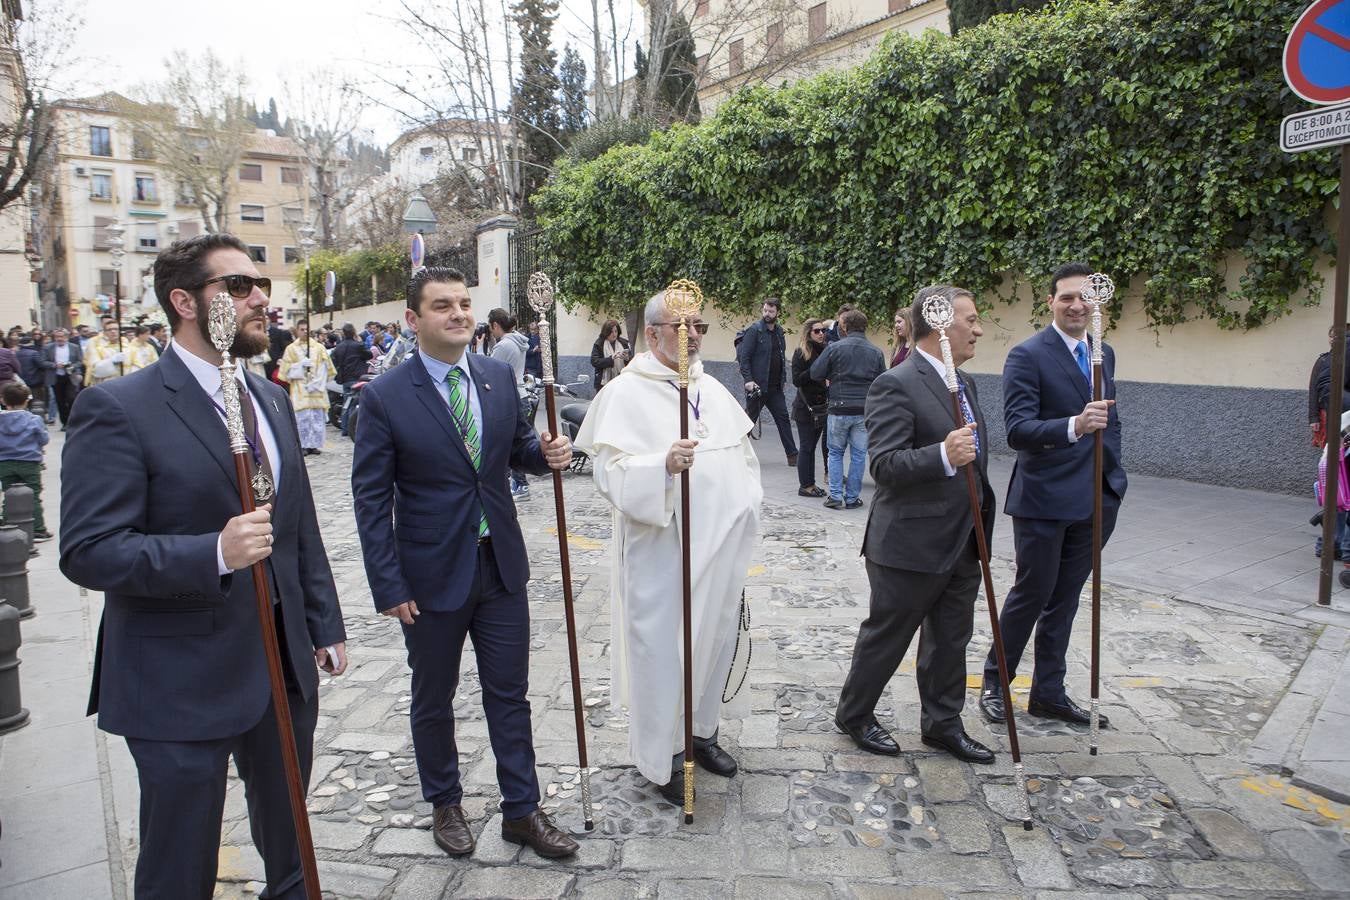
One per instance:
(486, 386)
(276, 409)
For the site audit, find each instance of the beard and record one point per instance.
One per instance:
(246, 344)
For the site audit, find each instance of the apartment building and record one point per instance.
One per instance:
(18, 296)
(106, 171)
(740, 42)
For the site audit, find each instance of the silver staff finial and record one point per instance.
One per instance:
(539, 291)
(1097, 292)
(939, 313)
(222, 322)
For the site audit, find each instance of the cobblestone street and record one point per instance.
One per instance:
(1168, 806)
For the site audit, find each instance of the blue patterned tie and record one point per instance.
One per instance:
(967, 413)
(468, 429)
(1081, 354)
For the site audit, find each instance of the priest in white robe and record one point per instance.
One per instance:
(632, 434)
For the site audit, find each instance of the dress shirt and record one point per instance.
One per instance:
(1072, 344)
(438, 370)
(61, 355)
(208, 376)
(941, 369)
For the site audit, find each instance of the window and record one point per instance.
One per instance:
(735, 56)
(290, 255)
(100, 186)
(250, 212)
(701, 8)
(250, 172)
(815, 22)
(897, 5)
(101, 224)
(257, 253)
(290, 175)
(469, 154)
(107, 281)
(141, 145)
(292, 215)
(426, 152)
(773, 39)
(146, 192)
(185, 194)
(188, 229)
(702, 64)
(147, 237)
(100, 140)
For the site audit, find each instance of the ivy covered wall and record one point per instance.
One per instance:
(1138, 135)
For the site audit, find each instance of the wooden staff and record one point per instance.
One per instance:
(1097, 292)
(223, 329)
(683, 300)
(939, 313)
(540, 293)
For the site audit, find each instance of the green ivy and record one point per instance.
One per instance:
(388, 265)
(1137, 135)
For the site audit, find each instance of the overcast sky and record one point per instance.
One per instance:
(127, 43)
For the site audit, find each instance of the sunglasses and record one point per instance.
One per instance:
(240, 287)
(700, 327)
(818, 330)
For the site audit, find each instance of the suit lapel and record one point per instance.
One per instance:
(1067, 362)
(276, 420)
(430, 397)
(936, 383)
(191, 404)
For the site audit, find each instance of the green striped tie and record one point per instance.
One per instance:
(459, 411)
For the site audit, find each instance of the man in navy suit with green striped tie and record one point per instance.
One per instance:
(444, 553)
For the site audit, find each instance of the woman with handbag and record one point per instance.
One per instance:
(808, 409)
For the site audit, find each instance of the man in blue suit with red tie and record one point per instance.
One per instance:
(444, 553)
(1050, 417)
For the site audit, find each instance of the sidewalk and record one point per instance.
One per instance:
(68, 792)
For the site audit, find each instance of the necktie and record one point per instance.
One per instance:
(1081, 354)
(967, 413)
(258, 458)
(459, 411)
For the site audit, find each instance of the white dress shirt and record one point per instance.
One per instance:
(208, 376)
(941, 369)
(1072, 343)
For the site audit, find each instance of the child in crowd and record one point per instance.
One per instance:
(22, 437)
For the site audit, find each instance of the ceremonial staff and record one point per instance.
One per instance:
(540, 293)
(253, 489)
(306, 245)
(683, 300)
(938, 313)
(1097, 292)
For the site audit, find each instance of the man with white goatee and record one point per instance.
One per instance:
(632, 432)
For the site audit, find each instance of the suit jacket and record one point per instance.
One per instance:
(179, 653)
(920, 518)
(416, 491)
(1042, 389)
(74, 368)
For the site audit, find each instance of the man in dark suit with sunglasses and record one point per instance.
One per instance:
(444, 554)
(179, 667)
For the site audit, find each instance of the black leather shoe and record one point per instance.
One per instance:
(872, 738)
(709, 755)
(450, 830)
(991, 704)
(855, 503)
(673, 790)
(538, 832)
(962, 746)
(832, 503)
(1068, 711)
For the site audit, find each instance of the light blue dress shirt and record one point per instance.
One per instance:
(438, 371)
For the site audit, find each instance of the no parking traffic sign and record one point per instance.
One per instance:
(1317, 53)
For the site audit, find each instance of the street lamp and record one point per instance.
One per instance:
(34, 267)
(115, 231)
(306, 245)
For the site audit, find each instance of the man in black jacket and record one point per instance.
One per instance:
(350, 357)
(761, 355)
(850, 365)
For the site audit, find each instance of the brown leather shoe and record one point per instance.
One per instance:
(450, 830)
(540, 834)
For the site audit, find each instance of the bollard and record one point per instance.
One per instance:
(19, 510)
(14, 571)
(12, 713)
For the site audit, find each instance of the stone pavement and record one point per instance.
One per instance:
(1211, 691)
